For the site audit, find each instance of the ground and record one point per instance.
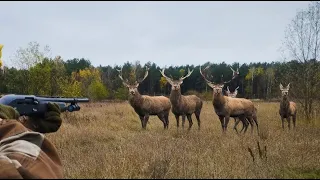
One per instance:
(105, 140)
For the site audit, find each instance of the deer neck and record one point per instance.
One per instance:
(175, 96)
(284, 104)
(218, 101)
(136, 99)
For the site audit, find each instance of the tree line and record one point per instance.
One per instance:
(78, 77)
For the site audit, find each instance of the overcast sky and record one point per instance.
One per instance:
(167, 33)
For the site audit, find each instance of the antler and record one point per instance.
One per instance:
(189, 73)
(211, 84)
(234, 73)
(232, 70)
(224, 82)
(168, 79)
(125, 82)
(145, 75)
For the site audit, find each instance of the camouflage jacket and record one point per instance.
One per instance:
(25, 154)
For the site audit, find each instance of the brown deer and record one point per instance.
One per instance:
(226, 107)
(288, 108)
(244, 123)
(183, 105)
(145, 105)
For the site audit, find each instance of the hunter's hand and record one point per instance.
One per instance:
(51, 121)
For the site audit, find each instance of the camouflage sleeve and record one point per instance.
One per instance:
(27, 154)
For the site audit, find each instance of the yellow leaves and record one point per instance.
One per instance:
(259, 71)
(248, 76)
(97, 91)
(1, 46)
(72, 89)
(87, 82)
(163, 82)
(253, 72)
(90, 74)
(181, 71)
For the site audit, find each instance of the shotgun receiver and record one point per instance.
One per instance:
(31, 105)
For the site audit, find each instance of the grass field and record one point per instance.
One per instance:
(105, 140)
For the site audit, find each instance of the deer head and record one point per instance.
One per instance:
(284, 91)
(217, 88)
(133, 88)
(232, 94)
(235, 73)
(175, 84)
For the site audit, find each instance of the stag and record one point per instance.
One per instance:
(145, 105)
(226, 107)
(288, 108)
(183, 105)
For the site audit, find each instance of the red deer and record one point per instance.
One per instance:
(145, 105)
(287, 108)
(183, 105)
(226, 107)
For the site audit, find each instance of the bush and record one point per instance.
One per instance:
(121, 93)
(97, 91)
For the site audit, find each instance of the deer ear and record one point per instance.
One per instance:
(137, 85)
(288, 86)
(281, 87)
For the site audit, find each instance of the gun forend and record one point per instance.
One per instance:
(36, 105)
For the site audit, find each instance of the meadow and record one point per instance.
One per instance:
(105, 140)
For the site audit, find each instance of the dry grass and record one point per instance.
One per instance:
(105, 140)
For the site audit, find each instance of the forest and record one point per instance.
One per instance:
(78, 77)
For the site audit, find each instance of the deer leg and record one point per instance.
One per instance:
(226, 121)
(190, 121)
(282, 120)
(235, 124)
(183, 120)
(177, 118)
(288, 119)
(256, 121)
(198, 119)
(161, 117)
(145, 121)
(243, 120)
(294, 120)
(166, 117)
(245, 124)
(221, 118)
(251, 123)
(142, 120)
